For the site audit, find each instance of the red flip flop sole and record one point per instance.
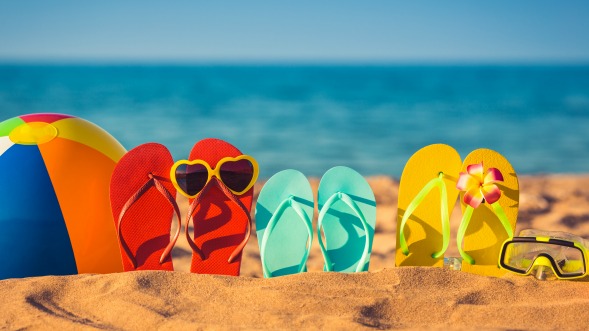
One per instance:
(147, 223)
(219, 224)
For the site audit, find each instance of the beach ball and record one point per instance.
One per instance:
(55, 216)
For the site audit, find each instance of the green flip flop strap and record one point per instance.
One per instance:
(499, 212)
(350, 202)
(286, 203)
(445, 215)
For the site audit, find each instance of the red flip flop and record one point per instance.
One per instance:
(143, 202)
(221, 215)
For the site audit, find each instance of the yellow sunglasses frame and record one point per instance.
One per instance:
(215, 172)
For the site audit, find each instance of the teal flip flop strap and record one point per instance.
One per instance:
(350, 202)
(445, 215)
(464, 225)
(286, 203)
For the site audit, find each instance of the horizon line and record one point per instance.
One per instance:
(286, 62)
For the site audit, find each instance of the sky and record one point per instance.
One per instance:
(303, 30)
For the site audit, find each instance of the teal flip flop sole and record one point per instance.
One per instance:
(284, 213)
(347, 217)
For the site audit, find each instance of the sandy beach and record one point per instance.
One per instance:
(109, 109)
(385, 297)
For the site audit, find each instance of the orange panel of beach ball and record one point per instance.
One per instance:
(55, 214)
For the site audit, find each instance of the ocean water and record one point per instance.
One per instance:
(313, 117)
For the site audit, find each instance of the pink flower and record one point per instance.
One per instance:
(479, 187)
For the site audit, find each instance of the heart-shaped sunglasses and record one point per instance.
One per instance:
(238, 174)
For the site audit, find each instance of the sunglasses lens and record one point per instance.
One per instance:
(192, 178)
(522, 255)
(237, 175)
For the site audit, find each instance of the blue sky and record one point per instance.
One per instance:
(355, 31)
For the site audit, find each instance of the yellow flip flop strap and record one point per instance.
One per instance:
(439, 183)
(464, 225)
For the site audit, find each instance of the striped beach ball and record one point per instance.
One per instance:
(55, 216)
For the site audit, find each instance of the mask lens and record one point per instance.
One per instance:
(192, 178)
(519, 256)
(237, 175)
(571, 261)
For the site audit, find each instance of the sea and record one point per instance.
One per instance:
(313, 117)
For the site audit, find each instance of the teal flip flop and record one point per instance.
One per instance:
(347, 216)
(284, 215)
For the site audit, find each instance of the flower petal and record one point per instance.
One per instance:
(473, 197)
(476, 170)
(491, 192)
(466, 182)
(493, 176)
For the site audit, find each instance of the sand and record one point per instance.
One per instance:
(385, 297)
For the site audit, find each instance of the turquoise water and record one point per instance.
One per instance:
(310, 118)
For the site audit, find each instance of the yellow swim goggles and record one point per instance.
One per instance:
(543, 251)
(238, 174)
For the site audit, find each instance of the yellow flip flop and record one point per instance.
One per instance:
(427, 194)
(489, 199)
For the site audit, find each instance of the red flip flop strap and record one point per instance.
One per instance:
(248, 230)
(134, 198)
(153, 181)
(235, 200)
(172, 201)
(191, 210)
